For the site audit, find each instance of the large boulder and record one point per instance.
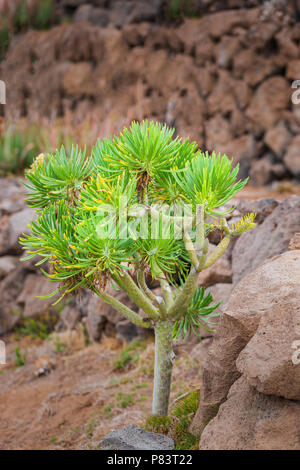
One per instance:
(265, 111)
(135, 438)
(221, 293)
(266, 361)
(273, 288)
(266, 240)
(250, 420)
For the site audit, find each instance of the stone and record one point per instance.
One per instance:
(250, 420)
(101, 316)
(295, 242)
(221, 293)
(12, 194)
(261, 207)
(18, 226)
(221, 23)
(220, 68)
(136, 34)
(126, 331)
(292, 156)
(200, 350)
(266, 361)
(10, 288)
(278, 139)
(205, 80)
(204, 50)
(293, 70)
(228, 93)
(94, 15)
(238, 122)
(287, 47)
(73, 3)
(217, 132)
(258, 294)
(83, 13)
(95, 325)
(268, 103)
(7, 265)
(98, 307)
(226, 50)
(268, 239)
(69, 318)
(263, 171)
(4, 234)
(78, 79)
(36, 285)
(146, 11)
(157, 40)
(261, 34)
(252, 67)
(135, 438)
(243, 150)
(120, 14)
(189, 32)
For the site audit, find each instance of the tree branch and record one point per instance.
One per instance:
(136, 295)
(159, 302)
(218, 252)
(125, 311)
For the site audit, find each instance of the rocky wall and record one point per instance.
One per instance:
(223, 80)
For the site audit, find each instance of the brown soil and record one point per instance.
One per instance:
(83, 397)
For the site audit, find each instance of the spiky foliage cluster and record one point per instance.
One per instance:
(75, 195)
(198, 315)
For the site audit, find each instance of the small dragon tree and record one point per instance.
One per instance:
(142, 204)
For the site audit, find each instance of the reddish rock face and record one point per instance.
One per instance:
(256, 338)
(270, 238)
(223, 79)
(250, 420)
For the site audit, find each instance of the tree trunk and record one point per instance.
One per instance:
(163, 367)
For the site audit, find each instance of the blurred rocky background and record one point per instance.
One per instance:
(221, 73)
